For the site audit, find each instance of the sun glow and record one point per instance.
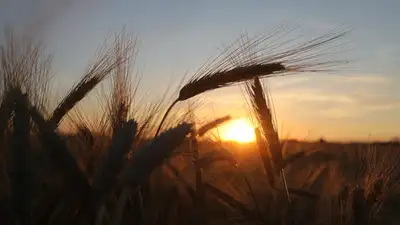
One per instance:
(239, 130)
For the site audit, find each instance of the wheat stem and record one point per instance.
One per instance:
(165, 116)
(286, 186)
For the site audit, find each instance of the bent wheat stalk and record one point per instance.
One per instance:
(105, 64)
(221, 79)
(234, 66)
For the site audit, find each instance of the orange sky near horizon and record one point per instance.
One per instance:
(299, 112)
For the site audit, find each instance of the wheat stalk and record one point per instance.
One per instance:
(235, 66)
(107, 175)
(58, 151)
(194, 147)
(261, 109)
(146, 159)
(212, 124)
(264, 117)
(122, 86)
(6, 108)
(221, 79)
(23, 65)
(106, 62)
(20, 174)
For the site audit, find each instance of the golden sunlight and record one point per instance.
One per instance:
(239, 130)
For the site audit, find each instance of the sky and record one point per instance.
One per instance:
(176, 37)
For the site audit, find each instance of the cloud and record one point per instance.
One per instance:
(310, 95)
(365, 79)
(287, 81)
(388, 52)
(361, 79)
(335, 113)
(359, 109)
(382, 106)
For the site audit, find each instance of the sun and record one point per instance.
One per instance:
(239, 130)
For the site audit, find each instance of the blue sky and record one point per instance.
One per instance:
(177, 36)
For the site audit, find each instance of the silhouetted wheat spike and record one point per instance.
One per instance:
(86, 135)
(24, 65)
(106, 177)
(57, 149)
(260, 105)
(76, 180)
(122, 85)
(213, 124)
(264, 117)
(146, 159)
(221, 79)
(6, 108)
(212, 81)
(76, 95)
(234, 66)
(104, 65)
(20, 174)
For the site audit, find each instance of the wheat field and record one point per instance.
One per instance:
(138, 163)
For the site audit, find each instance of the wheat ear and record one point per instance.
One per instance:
(20, 176)
(263, 114)
(6, 108)
(221, 79)
(234, 65)
(106, 177)
(213, 124)
(146, 159)
(106, 62)
(24, 65)
(58, 151)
